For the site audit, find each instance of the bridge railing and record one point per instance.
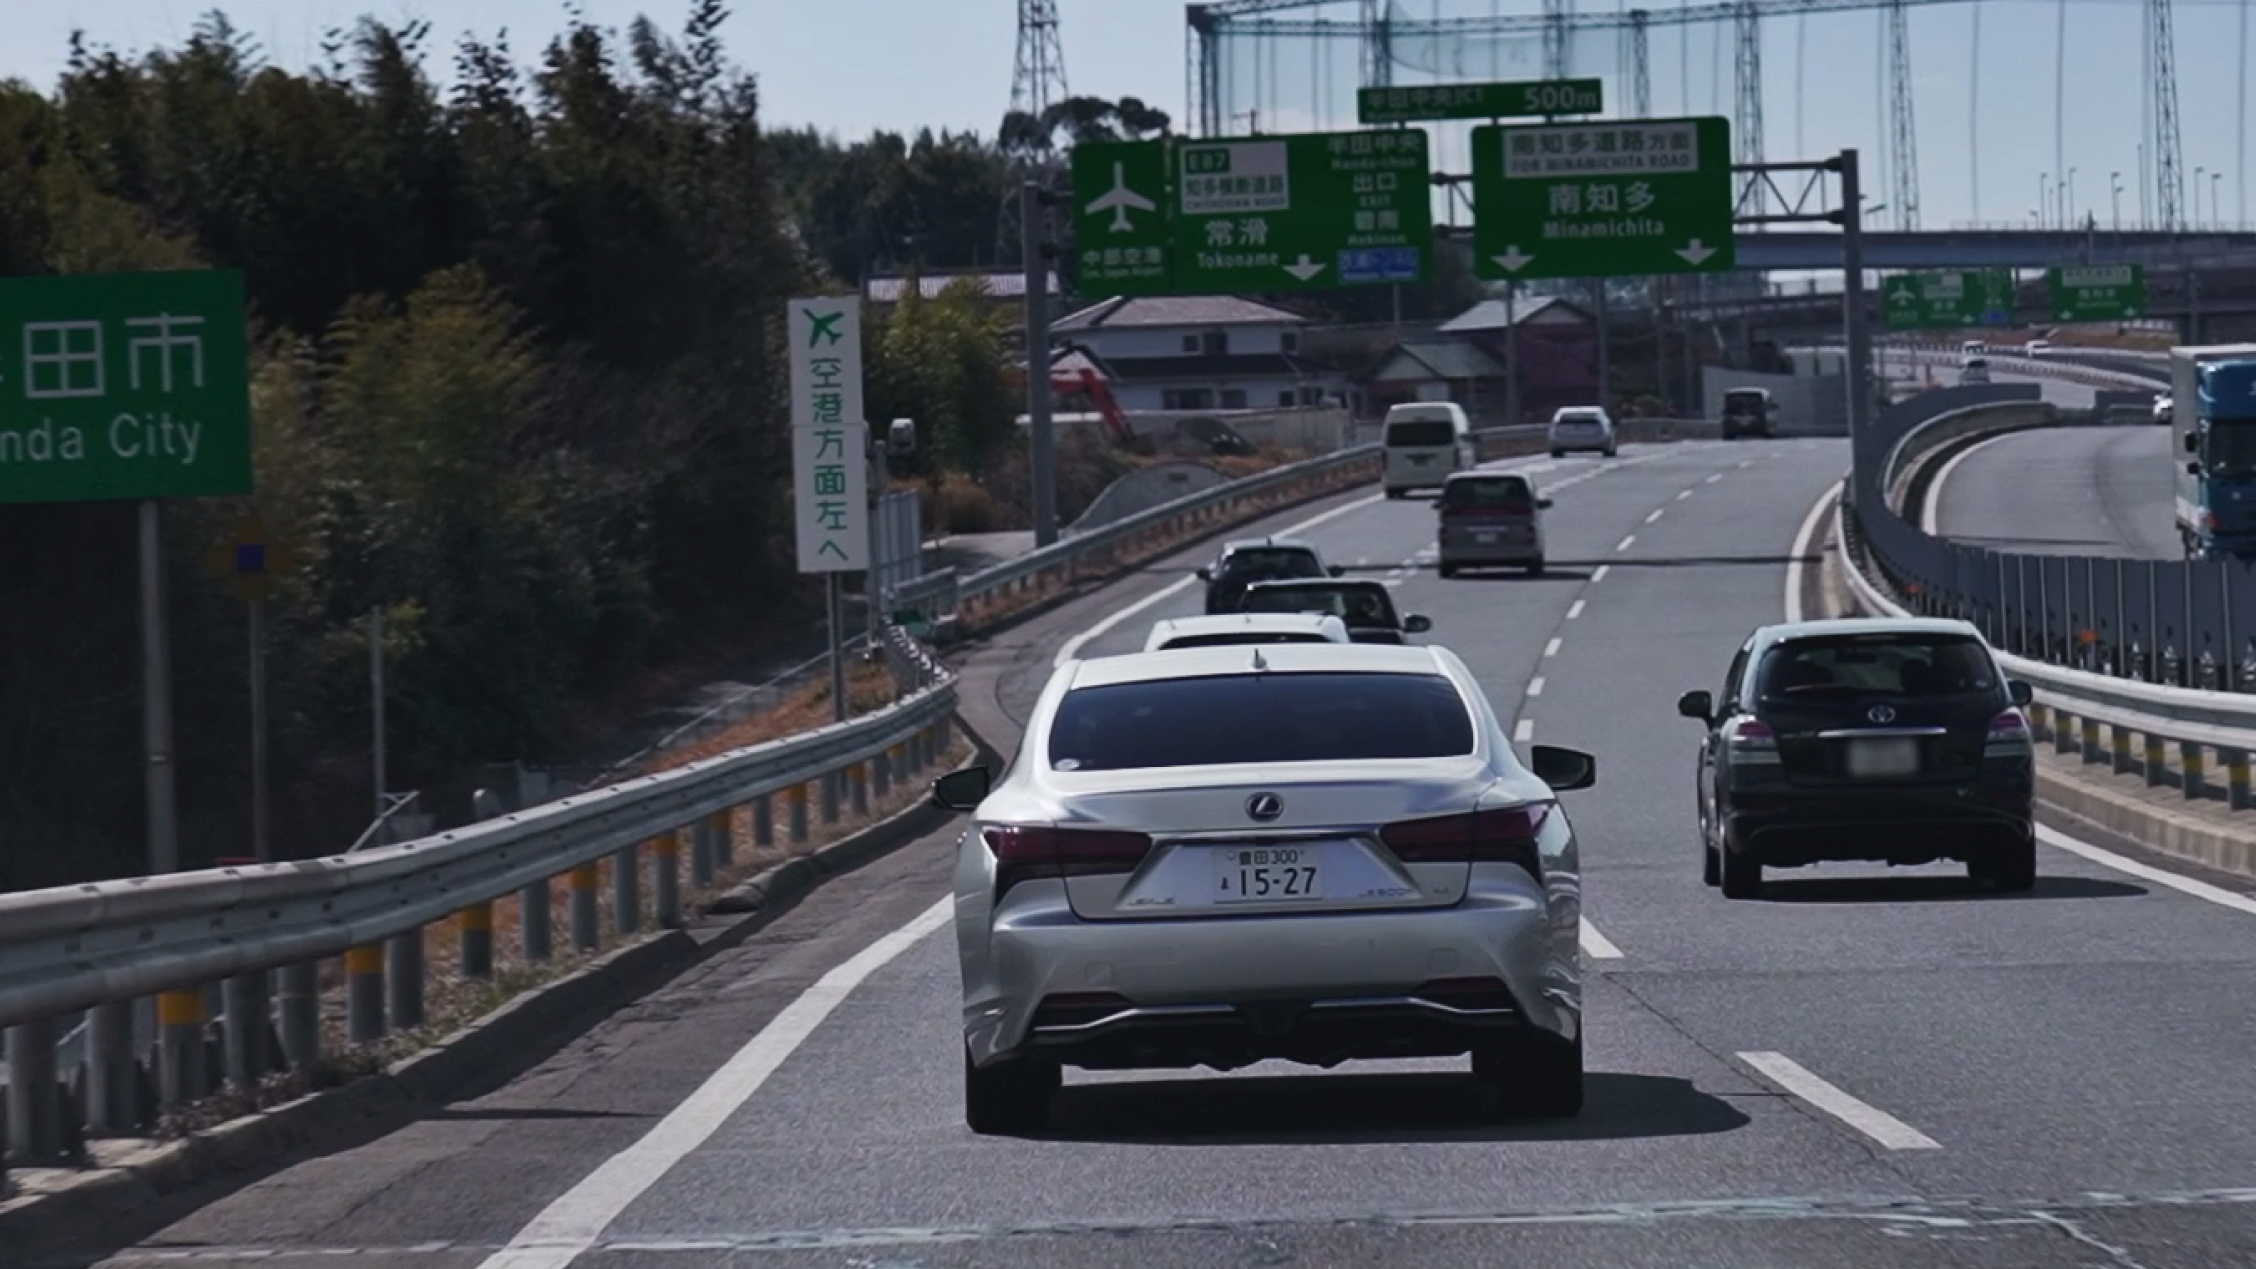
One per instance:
(2145, 665)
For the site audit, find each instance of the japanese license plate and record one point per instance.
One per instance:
(1894, 756)
(1268, 874)
(1485, 539)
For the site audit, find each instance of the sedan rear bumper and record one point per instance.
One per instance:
(1900, 826)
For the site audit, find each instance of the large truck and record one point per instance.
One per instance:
(2213, 412)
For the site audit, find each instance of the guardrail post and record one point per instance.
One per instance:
(795, 804)
(35, 1106)
(582, 886)
(2063, 731)
(626, 889)
(830, 797)
(2236, 779)
(857, 789)
(2119, 743)
(113, 1080)
(2090, 738)
(896, 765)
(299, 987)
(2190, 758)
(364, 993)
(763, 820)
(180, 1047)
(475, 925)
(881, 774)
(533, 922)
(704, 843)
(403, 974)
(246, 1021)
(665, 880)
(724, 832)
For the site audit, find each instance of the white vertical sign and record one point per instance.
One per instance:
(829, 441)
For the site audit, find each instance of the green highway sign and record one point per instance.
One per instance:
(124, 386)
(1948, 299)
(1603, 200)
(1309, 211)
(2096, 292)
(1522, 100)
(1121, 229)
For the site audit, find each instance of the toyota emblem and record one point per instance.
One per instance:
(1264, 807)
(1882, 714)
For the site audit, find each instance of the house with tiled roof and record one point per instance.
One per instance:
(1468, 359)
(1192, 353)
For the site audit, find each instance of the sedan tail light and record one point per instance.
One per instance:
(2009, 735)
(1751, 741)
(1028, 852)
(1504, 836)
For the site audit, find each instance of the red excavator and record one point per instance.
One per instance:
(1083, 391)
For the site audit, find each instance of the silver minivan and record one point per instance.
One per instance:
(1426, 441)
(1490, 519)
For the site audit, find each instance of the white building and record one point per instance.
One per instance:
(1198, 353)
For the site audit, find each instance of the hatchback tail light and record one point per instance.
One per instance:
(1752, 741)
(1504, 836)
(2009, 734)
(1029, 852)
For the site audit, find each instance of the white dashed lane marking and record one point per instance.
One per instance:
(1551, 649)
(1574, 610)
(1524, 730)
(1870, 1120)
(1655, 516)
(1535, 686)
(1624, 544)
(1598, 574)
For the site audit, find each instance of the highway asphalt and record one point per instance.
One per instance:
(2063, 491)
(1863, 1070)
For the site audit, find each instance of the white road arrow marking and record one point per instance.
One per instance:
(1513, 260)
(1695, 252)
(1304, 268)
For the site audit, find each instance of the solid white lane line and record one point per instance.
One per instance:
(1656, 514)
(1574, 610)
(573, 1223)
(1598, 574)
(1535, 686)
(1523, 731)
(1870, 1120)
(1682, 496)
(1805, 539)
(1597, 946)
(2218, 895)
(1623, 545)
(1928, 515)
(1551, 649)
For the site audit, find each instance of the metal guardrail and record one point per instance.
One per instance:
(104, 946)
(2128, 648)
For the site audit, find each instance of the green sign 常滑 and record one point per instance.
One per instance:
(1308, 211)
(1539, 99)
(124, 386)
(1948, 299)
(2096, 292)
(1591, 200)
(1121, 235)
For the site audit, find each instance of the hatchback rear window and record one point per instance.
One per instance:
(1851, 666)
(1204, 722)
(1420, 434)
(1580, 416)
(1743, 402)
(1274, 563)
(1502, 492)
(1238, 637)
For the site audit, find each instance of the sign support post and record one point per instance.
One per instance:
(835, 596)
(156, 697)
(1040, 424)
(1856, 329)
(260, 844)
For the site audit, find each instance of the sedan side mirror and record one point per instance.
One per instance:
(2019, 693)
(1698, 705)
(1563, 769)
(961, 790)
(1337, 570)
(1416, 623)
(1543, 504)
(1205, 574)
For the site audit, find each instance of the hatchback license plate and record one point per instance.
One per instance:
(1882, 758)
(1485, 539)
(1267, 874)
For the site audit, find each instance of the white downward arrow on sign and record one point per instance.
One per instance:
(1304, 268)
(1694, 252)
(1512, 259)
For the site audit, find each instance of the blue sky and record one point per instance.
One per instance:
(850, 66)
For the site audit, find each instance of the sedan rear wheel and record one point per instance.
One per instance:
(1741, 877)
(1533, 1077)
(1010, 1096)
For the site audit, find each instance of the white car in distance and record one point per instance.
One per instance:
(1245, 627)
(1582, 429)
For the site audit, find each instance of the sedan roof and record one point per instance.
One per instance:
(1305, 623)
(1866, 625)
(1274, 658)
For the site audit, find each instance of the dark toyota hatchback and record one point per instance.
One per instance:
(1899, 742)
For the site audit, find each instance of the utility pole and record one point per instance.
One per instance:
(1033, 202)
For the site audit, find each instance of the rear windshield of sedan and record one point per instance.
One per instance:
(1207, 722)
(1356, 603)
(1421, 434)
(1245, 636)
(1501, 492)
(1909, 665)
(1274, 562)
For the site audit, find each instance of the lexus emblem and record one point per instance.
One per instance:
(1882, 714)
(1264, 807)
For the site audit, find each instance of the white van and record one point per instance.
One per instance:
(1426, 442)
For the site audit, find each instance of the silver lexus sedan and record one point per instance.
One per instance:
(1313, 853)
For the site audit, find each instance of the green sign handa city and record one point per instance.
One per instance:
(1592, 200)
(1948, 299)
(2096, 292)
(124, 386)
(1309, 211)
(1540, 99)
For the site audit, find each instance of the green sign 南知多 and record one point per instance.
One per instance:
(1518, 100)
(1589, 200)
(2096, 292)
(1121, 229)
(1307, 211)
(1948, 299)
(124, 386)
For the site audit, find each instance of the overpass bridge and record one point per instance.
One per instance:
(1987, 248)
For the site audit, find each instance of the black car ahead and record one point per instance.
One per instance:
(1246, 562)
(1365, 607)
(1894, 741)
